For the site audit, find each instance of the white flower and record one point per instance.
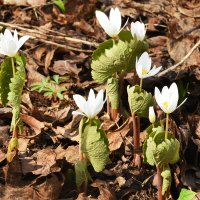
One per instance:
(143, 66)
(92, 106)
(10, 44)
(152, 115)
(111, 26)
(168, 98)
(138, 29)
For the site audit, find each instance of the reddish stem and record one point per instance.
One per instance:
(114, 114)
(159, 185)
(108, 106)
(136, 142)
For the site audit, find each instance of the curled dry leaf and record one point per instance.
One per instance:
(106, 192)
(115, 138)
(63, 67)
(48, 187)
(41, 163)
(84, 26)
(36, 125)
(71, 154)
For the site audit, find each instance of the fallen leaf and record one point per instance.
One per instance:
(84, 26)
(115, 138)
(48, 187)
(105, 191)
(63, 67)
(36, 125)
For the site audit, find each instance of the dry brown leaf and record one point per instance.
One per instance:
(48, 188)
(22, 144)
(48, 58)
(71, 154)
(36, 125)
(105, 191)
(4, 134)
(45, 162)
(115, 138)
(84, 26)
(63, 67)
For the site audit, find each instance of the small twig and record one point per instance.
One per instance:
(58, 35)
(179, 63)
(35, 33)
(37, 6)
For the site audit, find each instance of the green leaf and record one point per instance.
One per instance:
(56, 78)
(12, 145)
(60, 4)
(49, 93)
(112, 90)
(186, 194)
(166, 175)
(94, 145)
(5, 78)
(82, 174)
(113, 57)
(16, 88)
(139, 102)
(159, 151)
(59, 95)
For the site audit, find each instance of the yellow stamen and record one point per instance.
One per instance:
(166, 104)
(144, 71)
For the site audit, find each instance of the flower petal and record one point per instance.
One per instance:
(15, 37)
(8, 35)
(80, 102)
(115, 18)
(99, 101)
(22, 40)
(105, 23)
(145, 61)
(154, 71)
(173, 97)
(11, 48)
(159, 99)
(78, 113)
(138, 30)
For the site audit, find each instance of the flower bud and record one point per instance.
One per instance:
(152, 116)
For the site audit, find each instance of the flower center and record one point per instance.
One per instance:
(166, 104)
(144, 71)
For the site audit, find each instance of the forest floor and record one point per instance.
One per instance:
(62, 44)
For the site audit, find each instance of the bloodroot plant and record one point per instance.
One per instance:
(161, 147)
(12, 80)
(115, 57)
(93, 143)
(140, 100)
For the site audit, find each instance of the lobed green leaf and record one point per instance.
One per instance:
(113, 57)
(5, 78)
(82, 174)
(94, 145)
(139, 102)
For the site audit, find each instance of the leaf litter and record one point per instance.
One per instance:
(49, 144)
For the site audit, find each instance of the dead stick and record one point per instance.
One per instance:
(43, 31)
(179, 63)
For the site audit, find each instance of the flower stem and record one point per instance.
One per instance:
(13, 67)
(159, 183)
(166, 127)
(141, 84)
